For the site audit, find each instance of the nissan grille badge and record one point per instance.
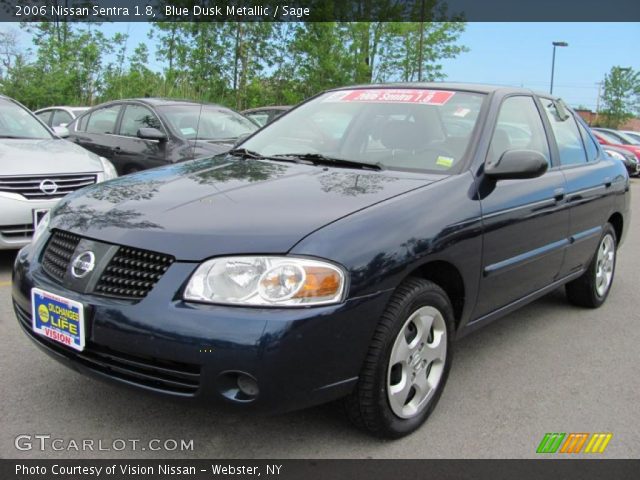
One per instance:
(83, 264)
(48, 187)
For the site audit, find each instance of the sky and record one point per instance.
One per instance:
(515, 54)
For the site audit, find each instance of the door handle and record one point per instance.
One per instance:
(117, 149)
(607, 182)
(558, 194)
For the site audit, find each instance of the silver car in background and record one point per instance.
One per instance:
(37, 169)
(59, 116)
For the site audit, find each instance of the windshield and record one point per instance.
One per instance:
(207, 123)
(17, 122)
(401, 128)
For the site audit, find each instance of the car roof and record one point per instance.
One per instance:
(62, 107)
(468, 87)
(160, 101)
(268, 107)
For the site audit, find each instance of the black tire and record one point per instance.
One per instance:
(368, 406)
(582, 291)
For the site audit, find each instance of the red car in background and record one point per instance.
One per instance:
(605, 139)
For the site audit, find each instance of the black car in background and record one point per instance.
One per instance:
(265, 115)
(144, 133)
(337, 252)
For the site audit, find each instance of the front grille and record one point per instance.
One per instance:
(58, 253)
(17, 232)
(35, 187)
(171, 377)
(132, 273)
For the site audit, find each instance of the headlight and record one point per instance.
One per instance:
(42, 227)
(108, 168)
(270, 281)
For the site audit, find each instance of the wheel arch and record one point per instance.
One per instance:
(618, 224)
(448, 277)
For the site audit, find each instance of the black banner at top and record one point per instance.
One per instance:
(319, 10)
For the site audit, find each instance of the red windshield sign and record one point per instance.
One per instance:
(396, 95)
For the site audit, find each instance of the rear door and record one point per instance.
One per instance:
(525, 221)
(95, 130)
(587, 172)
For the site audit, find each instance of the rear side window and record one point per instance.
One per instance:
(589, 144)
(567, 135)
(519, 127)
(103, 120)
(136, 117)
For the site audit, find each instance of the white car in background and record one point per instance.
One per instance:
(37, 169)
(59, 116)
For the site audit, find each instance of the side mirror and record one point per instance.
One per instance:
(150, 133)
(61, 131)
(516, 164)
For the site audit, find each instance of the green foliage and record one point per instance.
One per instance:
(238, 64)
(621, 96)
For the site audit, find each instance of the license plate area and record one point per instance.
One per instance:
(58, 318)
(38, 214)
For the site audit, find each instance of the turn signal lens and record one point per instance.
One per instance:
(320, 282)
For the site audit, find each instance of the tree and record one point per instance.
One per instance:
(621, 96)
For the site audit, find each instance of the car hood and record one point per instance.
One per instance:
(221, 205)
(45, 156)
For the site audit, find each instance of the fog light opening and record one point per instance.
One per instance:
(238, 386)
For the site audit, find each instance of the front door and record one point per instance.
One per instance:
(525, 221)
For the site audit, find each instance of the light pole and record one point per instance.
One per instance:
(553, 60)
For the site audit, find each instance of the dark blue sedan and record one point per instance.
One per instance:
(336, 253)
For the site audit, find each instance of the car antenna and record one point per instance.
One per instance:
(195, 140)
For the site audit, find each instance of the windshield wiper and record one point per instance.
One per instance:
(245, 153)
(19, 137)
(319, 159)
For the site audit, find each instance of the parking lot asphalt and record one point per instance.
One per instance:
(549, 367)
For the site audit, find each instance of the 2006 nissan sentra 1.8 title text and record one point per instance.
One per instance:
(335, 253)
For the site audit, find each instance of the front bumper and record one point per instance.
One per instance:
(299, 357)
(16, 219)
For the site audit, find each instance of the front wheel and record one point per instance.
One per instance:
(592, 288)
(407, 364)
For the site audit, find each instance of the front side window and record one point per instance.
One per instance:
(565, 129)
(136, 117)
(260, 118)
(103, 120)
(397, 128)
(207, 122)
(45, 116)
(17, 122)
(519, 127)
(61, 117)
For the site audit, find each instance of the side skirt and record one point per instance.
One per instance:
(502, 311)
